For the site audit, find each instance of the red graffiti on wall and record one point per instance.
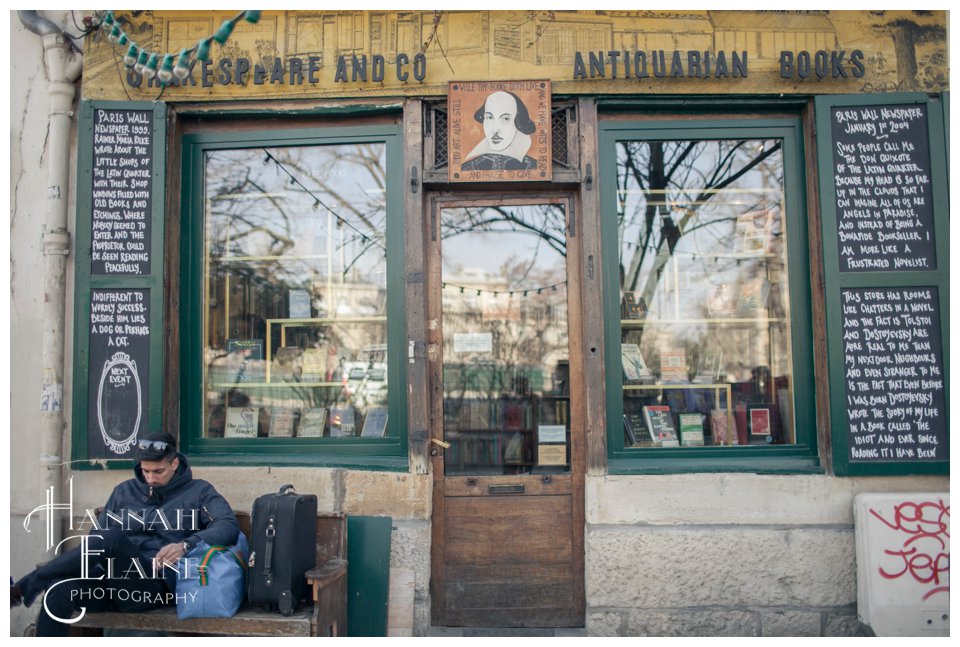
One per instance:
(925, 553)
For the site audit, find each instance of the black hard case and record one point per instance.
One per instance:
(282, 549)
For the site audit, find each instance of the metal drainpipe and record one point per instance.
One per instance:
(63, 69)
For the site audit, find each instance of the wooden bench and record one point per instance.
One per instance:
(324, 615)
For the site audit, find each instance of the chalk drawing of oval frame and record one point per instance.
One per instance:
(120, 447)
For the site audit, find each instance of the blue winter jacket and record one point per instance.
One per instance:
(184, 509)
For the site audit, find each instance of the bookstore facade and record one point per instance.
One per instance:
(613, 313)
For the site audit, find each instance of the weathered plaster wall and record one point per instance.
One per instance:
(28, 191)
(726, 554)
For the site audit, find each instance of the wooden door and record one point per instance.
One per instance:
(507, 448)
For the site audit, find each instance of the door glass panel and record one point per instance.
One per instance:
(505, 341)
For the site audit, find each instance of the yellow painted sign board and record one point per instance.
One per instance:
(316, 54)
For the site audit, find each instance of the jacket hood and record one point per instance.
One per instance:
(181, 477)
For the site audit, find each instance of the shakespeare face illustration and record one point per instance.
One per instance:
(507, 128)
(500, 120)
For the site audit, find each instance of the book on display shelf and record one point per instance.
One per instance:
(659, 422)
(633, 306)
(691, 429)
(281, 422)
(634, 367)
(312, 422)
(241, 422)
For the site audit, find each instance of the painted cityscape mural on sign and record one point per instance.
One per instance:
(302, 54)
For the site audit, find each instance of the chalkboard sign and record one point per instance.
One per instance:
(884, 197)
(892, 357)
(122, 172)
(119, 370)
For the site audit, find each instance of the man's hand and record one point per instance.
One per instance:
(169, 554)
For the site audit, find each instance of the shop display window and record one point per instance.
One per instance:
(701, 355)
(294, 293)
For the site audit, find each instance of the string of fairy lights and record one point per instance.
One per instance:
(525, 292)
(317, 202)
(151, 64)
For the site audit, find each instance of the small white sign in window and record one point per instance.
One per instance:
(473, 342)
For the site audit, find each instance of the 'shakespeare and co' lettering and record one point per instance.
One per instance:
(296, 71)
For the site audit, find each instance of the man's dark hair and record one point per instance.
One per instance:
(522, 120)
(155, 446)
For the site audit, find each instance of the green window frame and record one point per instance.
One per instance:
(388, 452)
(802, 455)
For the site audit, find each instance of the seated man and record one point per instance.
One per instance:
(149, 521)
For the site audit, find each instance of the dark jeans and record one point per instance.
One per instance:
(126, 591)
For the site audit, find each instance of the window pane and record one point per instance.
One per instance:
(295, 293)
(705, 321)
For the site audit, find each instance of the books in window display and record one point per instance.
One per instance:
(720, 303)
(752, 301)
(691, 429)
(753, 231)
(708, 369)
(282, 421)
(720, 428)
(673, 366)
(375, 424)
(299, 304)
(287, 364)
(312, 422)
(659, 422)
(634, 368)
(342, 422)
(633, 306)
(313, 367)
(241, 422)
(245, 357)
(635, 430)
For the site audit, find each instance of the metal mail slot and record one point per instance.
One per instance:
(505, 489)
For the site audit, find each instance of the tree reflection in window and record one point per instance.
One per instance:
(296, 276)
(701, 250)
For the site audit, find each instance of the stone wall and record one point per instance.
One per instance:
(726, 554)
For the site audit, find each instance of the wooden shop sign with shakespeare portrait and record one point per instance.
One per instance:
(499, 131)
